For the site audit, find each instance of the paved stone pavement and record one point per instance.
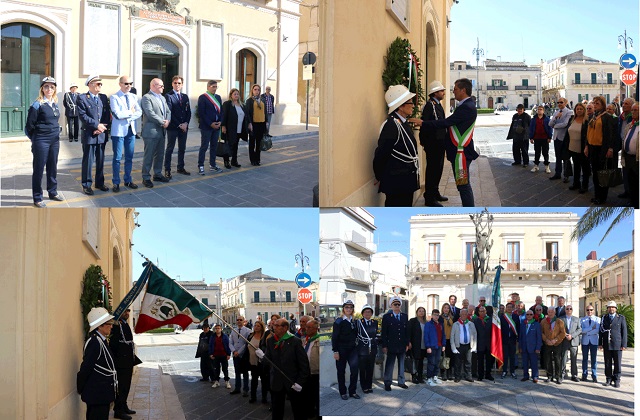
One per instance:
(496, 183)
(286, 178)
(504, 397)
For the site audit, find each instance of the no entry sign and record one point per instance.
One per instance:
(629, 77)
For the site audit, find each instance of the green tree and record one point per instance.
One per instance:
(627, 312)
(596, 216)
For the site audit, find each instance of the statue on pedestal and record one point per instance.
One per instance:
(483, 222)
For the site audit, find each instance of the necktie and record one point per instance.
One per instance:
(368, 322)
(179, 98)
(466, 337)
(528, 325)
(96, 98)
(589, 321)
(126, 98)
(398, 317)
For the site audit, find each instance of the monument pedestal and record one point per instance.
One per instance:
(474, 291)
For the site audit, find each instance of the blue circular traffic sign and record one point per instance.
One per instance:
(303, 279)
(628, 61)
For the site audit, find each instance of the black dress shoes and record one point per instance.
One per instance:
(574, 187)
(236, 164)
(102, 188)
(184, 172)
(553, 178)
(147, 183)
(123, 416)
(129, 411)
(116, 188)
(167, 174)
(87, 190)
(387, 387)
(161, 178)
(440, 197)
(344, 397)
(356, 396)
(130, 185)
(403, 386)
(227, 165)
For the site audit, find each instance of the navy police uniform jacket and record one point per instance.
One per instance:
(344, 335)
(613, 333)
(97, 378)
(367, 337)
(395, 333)
(122, 347)
(91, 115)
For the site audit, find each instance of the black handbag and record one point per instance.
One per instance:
(266, 143)
(609, 177)
(223, 149)
(408, 363)
(203, 347)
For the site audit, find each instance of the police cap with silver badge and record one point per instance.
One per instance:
(49, 79)
(348, 302)
(92, 78)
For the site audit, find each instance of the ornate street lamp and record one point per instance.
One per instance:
(304, 261)
(627, 41)
(478, 52)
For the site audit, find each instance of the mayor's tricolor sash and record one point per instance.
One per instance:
(460, 163)
(512, 326)
(214, 101)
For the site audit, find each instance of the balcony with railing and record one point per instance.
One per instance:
(274, 300)
(591, 82)
(525, 87)
(501, 87)
(461, 266)
(591, 290)
(611, 292)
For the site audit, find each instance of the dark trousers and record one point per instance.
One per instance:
(466, 193)
(530, 360)
(172, 135)
(351, 357)
(612, 359)
(580, 165)
(509, 350)
(570, 353)
(241, 372)
(366, 363)
(255, 139)
(398, 200)
(257, 372)
(89, 153)
(553, 357)
(485, 363)
(205, 368)
(433, 362)
(463, 362)
(124, 385)
(631, 169)
(311, 395)
(433, 171)
(520, 149)
(220, 362)
(98, 412)
(418, 360)
(278, 400)
(590, 351)
(390, 363)
(208, 140)
(233, 139)
(557, 148)
(72, 127)
(597, 164)
(45, 155)
(541, 146)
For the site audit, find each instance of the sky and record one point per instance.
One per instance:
(214, 243)
(541, 30)
(392, 233)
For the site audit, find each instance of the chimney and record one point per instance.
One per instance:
(592, 256)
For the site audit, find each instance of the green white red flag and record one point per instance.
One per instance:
(166, 302)
(496, 341)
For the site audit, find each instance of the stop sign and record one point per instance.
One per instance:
(629, 77)
(304, 295)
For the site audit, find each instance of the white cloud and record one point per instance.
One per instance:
(396, 233)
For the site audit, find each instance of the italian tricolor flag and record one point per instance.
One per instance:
(496, 341)
(166, 302)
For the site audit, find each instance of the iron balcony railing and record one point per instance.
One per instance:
(523, 87)
(501, 87)
(269, 300)
(535, 265)
(619, 290)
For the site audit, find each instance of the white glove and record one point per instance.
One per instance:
(259, 353)
(296, 387)
(455, 351)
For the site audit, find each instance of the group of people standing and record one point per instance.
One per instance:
(586, 139)
(457, 343)
(285, 364)
(165, 117)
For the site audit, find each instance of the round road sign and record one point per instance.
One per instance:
(305, 296)
(308, 58)
(303, 279)
(629, 77)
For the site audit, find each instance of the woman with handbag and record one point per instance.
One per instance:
(576, 140)
(234, 126)
(203, 352)
(446, 319)
(602, 147)
(256, 114)
(418, 350)
(367, 348)
(254, 362)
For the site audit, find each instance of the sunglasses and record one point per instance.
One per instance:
(408, 103)
(560, 103)
(396, 304)
(569, 309)
(128, 83)
(529, 314)
(589, 310)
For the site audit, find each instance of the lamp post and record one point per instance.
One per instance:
(628, 41)
(478, 52)
(374, 277)
(304, 261)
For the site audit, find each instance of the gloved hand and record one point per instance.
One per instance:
(296, 387)
(259, 353)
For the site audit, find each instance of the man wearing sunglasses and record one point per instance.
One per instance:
(395, 342)
(530, 342)
(571, 340)
(95, 115)
(125, 110)
(590, 326)
(560, 122)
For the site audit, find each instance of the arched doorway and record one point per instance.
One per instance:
(27, 57)
(159, 60)
(246, 71)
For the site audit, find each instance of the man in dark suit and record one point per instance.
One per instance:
(95, 114)
(459, 147)
(454, 310)
(180, 108)
(432, 140)
(394, 339)
(71, 112)
(157, 115)
(530, 341)
(510, 325)
(123, 349)
(285, 352)
(613, 340)
(560, 309)
(571, 342)
(484, 328)
(210, 113)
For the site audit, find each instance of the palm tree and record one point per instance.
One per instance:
(596, 216)
(627, 312)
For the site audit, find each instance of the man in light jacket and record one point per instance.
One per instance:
(590, 326)
(238, 346)
(463, 342)
(125, 111)
(571, 340)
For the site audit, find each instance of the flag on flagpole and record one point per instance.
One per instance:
(495, 291)
(166, 302)
(496, 341)
(134, 292)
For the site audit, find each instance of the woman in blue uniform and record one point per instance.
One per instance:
(343, 342)
(43, 130)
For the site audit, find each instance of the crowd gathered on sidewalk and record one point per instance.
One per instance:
(283, 360)
(469, 343)
(160, 118)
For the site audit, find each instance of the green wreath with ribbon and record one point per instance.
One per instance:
(96, 292)
(403, 68)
